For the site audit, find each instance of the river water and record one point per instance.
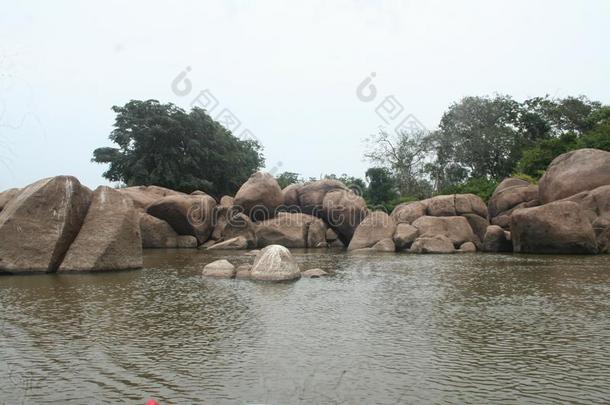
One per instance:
(386, 328)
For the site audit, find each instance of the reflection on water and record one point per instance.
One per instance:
(384, 329)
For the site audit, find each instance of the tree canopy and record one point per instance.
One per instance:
(161, 144)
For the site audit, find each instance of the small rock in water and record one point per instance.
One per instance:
(219, 268)
(314, 273)
(275, 263)
(243, 271)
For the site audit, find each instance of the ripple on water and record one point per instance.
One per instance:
(385, 328)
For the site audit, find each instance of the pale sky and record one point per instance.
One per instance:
(287, 70)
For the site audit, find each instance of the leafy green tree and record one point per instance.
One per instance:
(481, 186)
(161, 144)
(287, 178)
(381, 187)
(536, 159)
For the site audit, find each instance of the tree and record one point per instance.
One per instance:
(161, 144)
(404, 154)
(287, 178)
(381, 189)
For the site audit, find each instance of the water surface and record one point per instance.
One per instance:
(386, 328)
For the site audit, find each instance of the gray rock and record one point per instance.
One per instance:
(275, 263)
(219, 268)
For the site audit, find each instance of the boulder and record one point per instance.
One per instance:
(259, 197)
(478, 224)
(311, 195)
(290, 194)
(560, 227)
(219, 268)
(221, 212)
(376, 226)
(510, 198)
(226, 201)
(440, 206)
(408, 212)
(405, 235)
(468, 247)
(467, 204)
(38, 225)
(156, 233)
(331, 235)
(344, 210)
(432, 244)
(293, 230)
(595, 203)
(314, 273)
(574, 172)
(237, 243)
(384, 245)
(143, 196)
(109, 238)
(239, 225)
(187, 214)
(8, 195)
(243, 271)
(510, 182)
(496, 240)
(275, 263)
(457, 229)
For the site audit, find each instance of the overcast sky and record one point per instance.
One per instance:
(288, 71)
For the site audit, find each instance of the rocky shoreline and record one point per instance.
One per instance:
(58, 225)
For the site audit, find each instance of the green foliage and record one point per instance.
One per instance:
(381, 187)
(161, 144)
(287, 178)
(481, 186)
(536, 159)
(526, 177)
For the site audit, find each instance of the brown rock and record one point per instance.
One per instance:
(375, 227)
(291, 197)
(468, 247)
(384, 245)
(432, 244)
(237, 243)
(7, 196)
(109, 238)
(259, 197)
(478, 224)
(457, 229)
(344, 211)
(496, 240)
(38, 226)
(470, 204)
(143, 196)
(574, 172)
(243, 271)
(187, 214)
(440, 206)
(156, 233)
(314, 273)
(219, 268)
(239, 225)
(293, 230)
(409, 212)
(311, 195)
(511, 197)
(405, 235)
(558, 227)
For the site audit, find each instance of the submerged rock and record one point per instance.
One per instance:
(275, 263)
(39, 224)
(109, 238)
(219, 268)
(314, 273)
(432, 244)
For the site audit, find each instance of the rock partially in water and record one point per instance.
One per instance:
(219, 268)
(468, 247)
(187, 214)
(239, 225)
(109, 238)
(291, 230)
(384, 245)
(237, 243)
(344, 211)
(375, 227)
(497, 240)
(314, 273)
(275, 263)
(405, 235)
(39, 224)
(560, 227)
(156, 233)
(243, 271)
(432, 244)
(457, 229)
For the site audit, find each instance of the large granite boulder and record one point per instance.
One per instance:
(405, 235)
(560, 227)
(497, 240)
(223, 210)
(376, 226)
(344, 210)
(311, 195)
(8, 195)
(467, 204)
(511, 194)
(38, 226)
(239, 225)
(109, 238)
(156, 233)
(187, 214)
(143, 196)
(596, 207)
(291, 197)
(409, 212)
(574, 172)
(292, 230)
(478, 224)
(440, 206)
(259, 197)
(432, 244)
(274, 263)
(456, 229)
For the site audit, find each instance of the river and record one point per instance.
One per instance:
(385, 329)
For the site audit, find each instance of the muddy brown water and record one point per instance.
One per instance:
(385, 329)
